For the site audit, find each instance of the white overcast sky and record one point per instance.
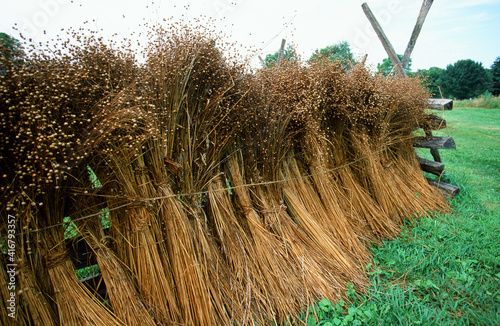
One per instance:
(454, 29)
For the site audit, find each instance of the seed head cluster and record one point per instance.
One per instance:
(165, 120)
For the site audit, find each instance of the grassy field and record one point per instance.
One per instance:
(443, 270)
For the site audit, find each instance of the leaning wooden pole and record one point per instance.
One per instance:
(262, 62)
(385, 41)
(416, 31)
(281, 52)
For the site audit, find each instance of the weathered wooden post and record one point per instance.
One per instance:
(262, 62)
(281, 52)
(385, 41)
(416, 31)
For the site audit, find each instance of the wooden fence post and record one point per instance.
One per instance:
(385, 41)
(281, 53)
(434, 143)
(262, 62)
(416, 31)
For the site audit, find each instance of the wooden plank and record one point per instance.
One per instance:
(434, 142)
(434, 122)
(446, 189)
(433, 167)
(440, 104)
(426, 5)
(385, 41)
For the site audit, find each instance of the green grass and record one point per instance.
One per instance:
(443, 270)
(476, 161)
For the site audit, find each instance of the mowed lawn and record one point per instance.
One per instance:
(477, 158)
(442, 270)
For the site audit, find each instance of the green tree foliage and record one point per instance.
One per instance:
(464, 79)
(289, 55)
(386, 66)
(340, 51)
(495, 77)
(9, 45)
(433, 80)
(10, 51)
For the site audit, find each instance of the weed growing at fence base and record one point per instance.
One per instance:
(443, 270)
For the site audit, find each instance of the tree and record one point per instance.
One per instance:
(464, 79)
(9, 45)
(433, 80)
(10, 52)
(386, 67)
(495, 77)
(340, 51)
(289, 55)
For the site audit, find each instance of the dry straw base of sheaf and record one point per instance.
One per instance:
(233, 197)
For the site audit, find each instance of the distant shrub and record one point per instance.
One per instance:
(487, 100)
